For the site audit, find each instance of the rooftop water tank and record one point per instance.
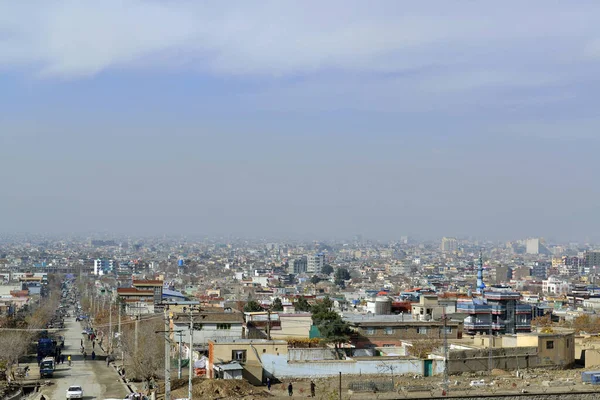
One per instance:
(383, 305)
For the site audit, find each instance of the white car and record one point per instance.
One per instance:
(479, 383)
(74, 392)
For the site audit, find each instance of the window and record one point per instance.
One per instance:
(370, 331)
(422, 330)
(448, 329)
(197, 327)
(223, 326)
(238, 355)
(550, 344)
(388, 331)
(388, 345)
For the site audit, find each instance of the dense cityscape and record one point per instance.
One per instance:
(461, 315)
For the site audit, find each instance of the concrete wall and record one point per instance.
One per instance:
(545, 396)
(311, 354)
(506, 359)
(279, 367)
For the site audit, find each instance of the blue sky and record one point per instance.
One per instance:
(313, 119)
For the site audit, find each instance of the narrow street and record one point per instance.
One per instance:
(97, 380)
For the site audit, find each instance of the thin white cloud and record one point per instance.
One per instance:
(82, 38)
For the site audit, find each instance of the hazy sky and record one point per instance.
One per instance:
(311, 118)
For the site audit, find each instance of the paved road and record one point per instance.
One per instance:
(98, 380)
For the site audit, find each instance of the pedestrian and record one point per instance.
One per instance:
(62, 358)
(93, 344)
(81, 342)
(312, 388)
(107, 361)
(290, 389)
(93, 355)
(269, 384)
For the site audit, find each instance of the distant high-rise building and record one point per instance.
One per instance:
(540, 270)
(315, 263)
(103, 266)
(533, 246)
(449, 244)
(297, 265)
(592, 259)
(503, 274)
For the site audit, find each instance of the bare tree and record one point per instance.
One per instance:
(148, 361)
(421, 348)
(13, 344)
(385, 367)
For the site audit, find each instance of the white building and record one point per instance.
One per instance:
(449, 245)
(533, 246)
(315, 263)
(555, 286)
(102, 266)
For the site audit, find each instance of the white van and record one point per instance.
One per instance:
(478, 383)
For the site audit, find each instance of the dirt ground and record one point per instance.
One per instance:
(406, 386)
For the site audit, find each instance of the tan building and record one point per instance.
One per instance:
(247, 352)
(428, 308)
(295, 325)
(554, 348)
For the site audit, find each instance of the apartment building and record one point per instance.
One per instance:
(499, 311)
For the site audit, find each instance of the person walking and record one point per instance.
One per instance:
(93, 355)
(312, 388)
(290, 389)
(69, 360)
(269, 384)
(62, 358)
(93, 344)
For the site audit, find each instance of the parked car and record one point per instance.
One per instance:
(74, 392)
(478, 383)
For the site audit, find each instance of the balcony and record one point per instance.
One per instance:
(473, 308)
(476, 325)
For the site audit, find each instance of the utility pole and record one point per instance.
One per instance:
(137, 322)
(190, 361)
(167, 356)
(180, 334)
(340, 386)
(269, 324)
(490, 350)
(120, 336)
(446, 386)
(110, 331)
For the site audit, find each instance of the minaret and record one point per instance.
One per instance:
(480, 284)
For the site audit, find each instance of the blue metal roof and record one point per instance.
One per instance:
(172, 293)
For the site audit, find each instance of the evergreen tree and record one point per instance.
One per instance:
(277, 305)
(327, 269)
(302, 304)
(252, 306)
(331, 325)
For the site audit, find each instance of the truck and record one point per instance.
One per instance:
(47, 367)
(46, 347)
